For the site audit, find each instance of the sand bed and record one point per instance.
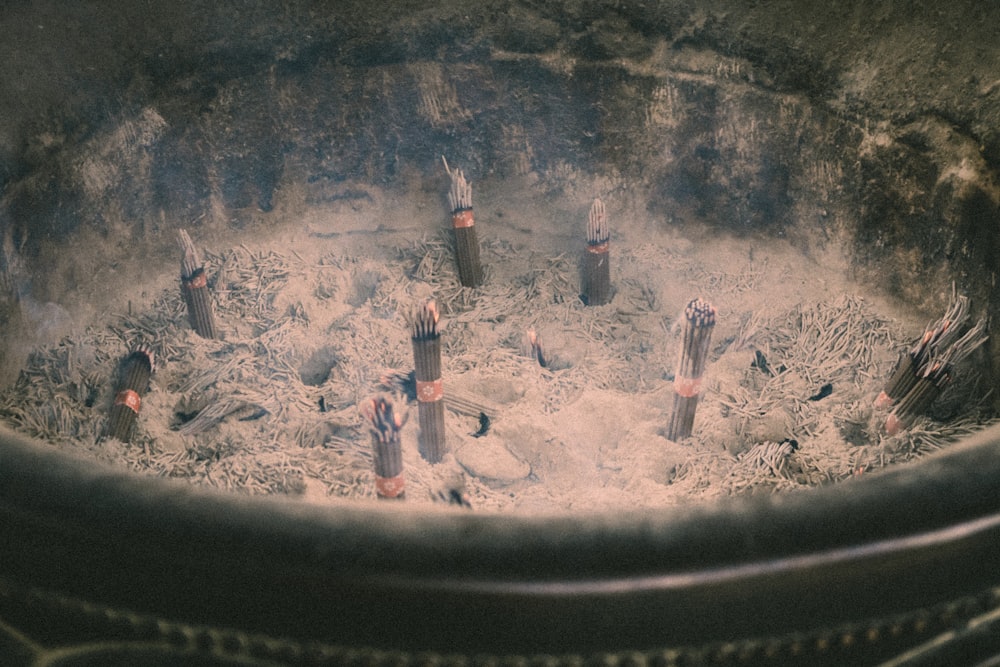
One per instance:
(313, 325)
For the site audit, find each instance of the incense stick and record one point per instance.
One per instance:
(134, 381)
(937, 336)
(470, 271)
(385, 427)
(596, 267)
(936, 373)
(430, 391)
(699, 320)
(194, 287)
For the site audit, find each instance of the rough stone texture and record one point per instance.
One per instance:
(874, 123)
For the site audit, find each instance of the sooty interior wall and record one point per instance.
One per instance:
(874, 125)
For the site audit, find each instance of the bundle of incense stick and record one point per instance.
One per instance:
(430, 391)
(385, 426)
(194, 287)
(699, 320)
(596, 267)
(133, 383)
(932, 377)
(470, 272)
(938, 336)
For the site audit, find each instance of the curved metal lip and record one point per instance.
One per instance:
(907, 539)
(871, 551)
(962, 480)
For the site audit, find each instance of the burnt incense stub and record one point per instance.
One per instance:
(194, 287)
(385, 426)
(596, 266)
(699, 321)
(133, 383)
(429, 388)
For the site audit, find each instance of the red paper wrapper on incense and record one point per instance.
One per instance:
(699, 320)
(133, 383)
(470, 271)
(596, 267)
(430, 391)
(385, 426)
(194, 287)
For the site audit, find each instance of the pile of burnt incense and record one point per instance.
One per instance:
(194, 287)
(699, 320)
(133, 383)
(938, 337)
(936, 372)
(430, 390)
(470, 271)
(596, 268)
(385, 426)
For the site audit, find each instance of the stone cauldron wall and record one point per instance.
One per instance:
(876, 126)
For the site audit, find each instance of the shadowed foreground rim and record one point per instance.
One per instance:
(875, 566)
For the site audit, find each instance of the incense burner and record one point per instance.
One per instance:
(754, 122)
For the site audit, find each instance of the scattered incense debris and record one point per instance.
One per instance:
(470, 270)
(209, 415)
(427, 375)
(194, 286)
(699, 321)
(308, 334)
(135, 373)
(771, 457)
(596, 265)
(385, 426)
